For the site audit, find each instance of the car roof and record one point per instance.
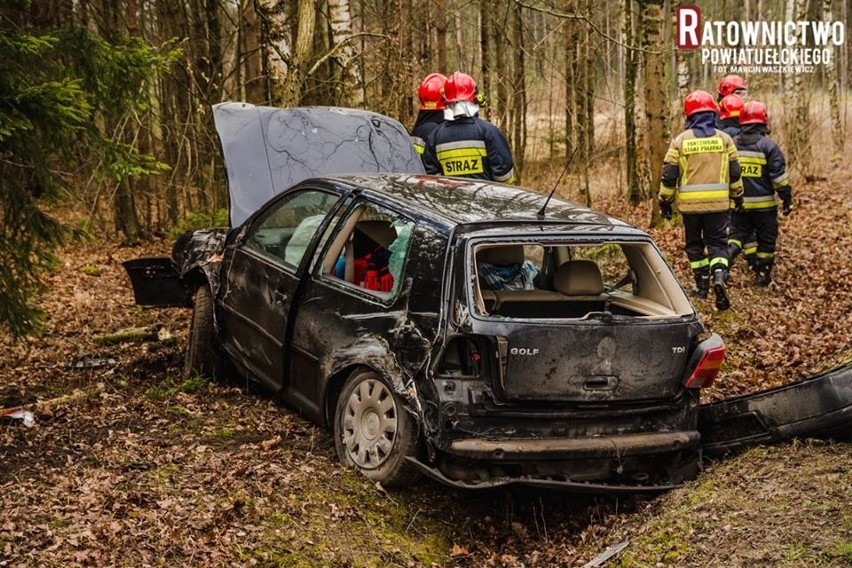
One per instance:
(477, 205)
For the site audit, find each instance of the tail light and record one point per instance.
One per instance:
(705, 363)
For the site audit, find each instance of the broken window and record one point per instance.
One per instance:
(574, 281)
(369, 251)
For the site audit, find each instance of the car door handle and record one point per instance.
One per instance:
(280, 296)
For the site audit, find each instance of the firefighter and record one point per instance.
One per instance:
(764, 174)
(730, 85)
(701, 170)
(431, 114)
(729, 114)
(465, 145)
(729, 123)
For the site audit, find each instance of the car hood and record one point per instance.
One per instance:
(268, 149)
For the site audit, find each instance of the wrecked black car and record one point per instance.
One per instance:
(469, 331)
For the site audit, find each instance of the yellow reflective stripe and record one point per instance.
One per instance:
(696, 195)
(752, 159)
(703, 186)
(419, 144)
(667, 191)
(696, 264)
(460, 153)
(752, 154)
(682, 165)
(735, 242)
(718, 260)
(750, 250)
(759, 205)
(714, 144)
(704, 195)
(766, 255)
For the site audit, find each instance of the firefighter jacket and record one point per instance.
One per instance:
(731, 127)
(469, 147)
(764, 169)
(701, 168)
(427, 121)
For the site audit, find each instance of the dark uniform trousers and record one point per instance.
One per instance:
(708, 230)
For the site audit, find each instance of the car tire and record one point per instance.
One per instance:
(373, 432)
(202, 358)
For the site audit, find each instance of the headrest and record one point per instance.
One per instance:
(506, 254)
(578, 278)
(379, 231)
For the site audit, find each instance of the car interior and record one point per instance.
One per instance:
(578, 281)
(360, 252)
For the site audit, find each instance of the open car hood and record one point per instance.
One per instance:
(268, 149)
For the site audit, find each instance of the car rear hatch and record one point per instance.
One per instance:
(586, 343)
(590, 360)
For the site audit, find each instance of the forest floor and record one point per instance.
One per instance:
(129, 465)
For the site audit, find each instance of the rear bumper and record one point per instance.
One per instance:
(628, 463)
(512, 450)
(820, 407)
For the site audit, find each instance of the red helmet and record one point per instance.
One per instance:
(460, 87)
(730, 107)
(754, 113)
(430, 92)
(730, 84)
(698, 101)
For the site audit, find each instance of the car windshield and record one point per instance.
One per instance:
(558, 280)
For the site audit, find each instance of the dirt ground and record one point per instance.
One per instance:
(129, 465)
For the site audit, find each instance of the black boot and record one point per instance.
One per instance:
(702, 282)
(733, 251)
(763, 273)
(722, 301)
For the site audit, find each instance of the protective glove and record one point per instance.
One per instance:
(787, 205)
(666, 210)
(738, 204)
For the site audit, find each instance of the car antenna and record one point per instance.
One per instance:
(540, 213)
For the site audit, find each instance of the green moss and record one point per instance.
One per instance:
(224, 433)
(665, 542)
(380, 529)
(178, 409)
(841, 550)
(171, 387)
(90, 270)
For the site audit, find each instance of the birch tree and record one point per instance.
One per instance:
(656, 110)
(346, 73)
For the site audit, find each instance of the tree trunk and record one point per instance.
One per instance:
(581, 109)
(655, 95)
(833, 99)
(634, 193)
(519, 106)
(797, 106)
(485, 46)
(441, 31)
(296, 74)
(570, 81)
(252, 55)
(345, 70)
